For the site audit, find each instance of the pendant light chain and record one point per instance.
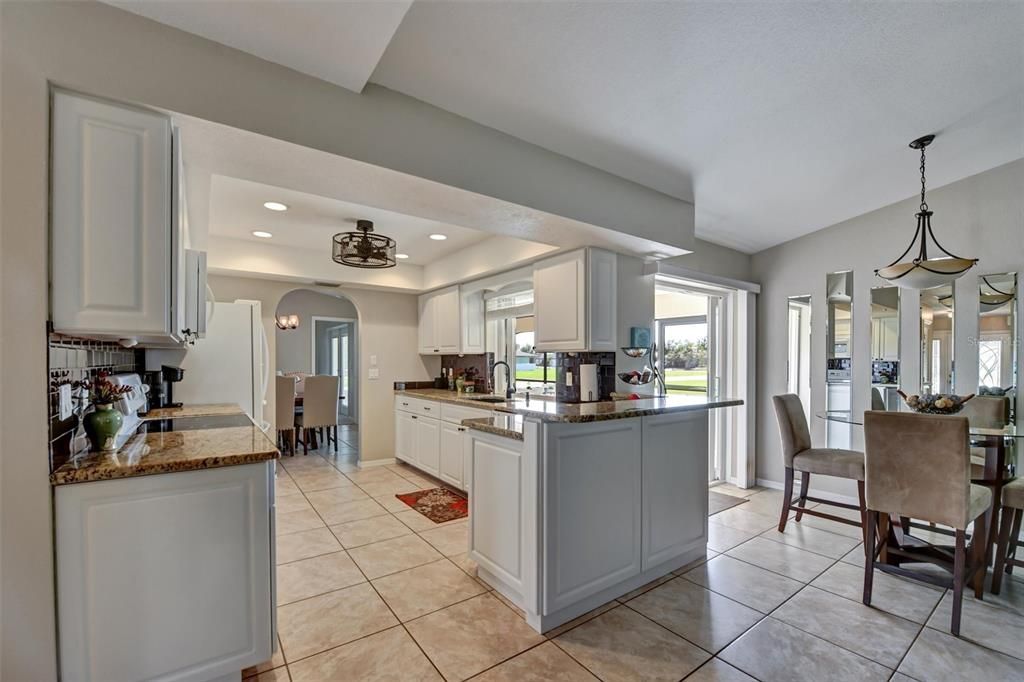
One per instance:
(924, 204)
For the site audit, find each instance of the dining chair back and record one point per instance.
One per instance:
(320, 401)
(793, 430)
(284, 410)
(987, 411)
(918, 466)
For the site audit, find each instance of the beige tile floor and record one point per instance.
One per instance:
(370, 590)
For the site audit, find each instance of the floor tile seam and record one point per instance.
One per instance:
(726, 597)
(765, 568)
(768, 537)
(664, 627)
(970, 641)
(860, 601)
(338, 646)
(918, 635)
(569, 653)
(827, 641)
(506, 660)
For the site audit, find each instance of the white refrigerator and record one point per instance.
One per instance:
(230, 365)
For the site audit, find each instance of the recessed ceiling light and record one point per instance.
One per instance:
(401, 256)
(262, 234)
(438, 237)
(275, 206)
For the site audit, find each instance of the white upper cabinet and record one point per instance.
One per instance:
(574, 299)
(450, 323)
(117, 239)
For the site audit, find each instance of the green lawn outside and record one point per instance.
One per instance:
(688, 380)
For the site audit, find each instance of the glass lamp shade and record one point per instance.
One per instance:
(287, 322)
(363, 249)
(926, 274)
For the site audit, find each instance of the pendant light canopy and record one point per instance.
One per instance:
(925, 271)
(363, 249)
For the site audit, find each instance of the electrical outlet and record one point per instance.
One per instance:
(373, 360)
(64, 403)
(374, 373)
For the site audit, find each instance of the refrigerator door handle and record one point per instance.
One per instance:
(265, 353)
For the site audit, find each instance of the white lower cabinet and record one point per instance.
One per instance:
(674, 519)
(429, 435)
(452, 461)
(428, 444)
(405, 437)
(166, 577)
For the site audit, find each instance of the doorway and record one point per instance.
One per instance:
(688, 355)
(334, 353)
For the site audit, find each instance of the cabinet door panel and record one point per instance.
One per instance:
(602, 284)
(111, 219)
(675, 485)
(428, 444)
(473, 323)
(592, 507)
(405, 435)
(559, 303)
(428, 327)
(446, 321)
(451, 454)
(496, 527)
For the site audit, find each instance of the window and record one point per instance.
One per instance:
(990, 362)
(532, 370)
(936, 366)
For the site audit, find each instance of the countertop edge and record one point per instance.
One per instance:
(73, 476)
(487, 425)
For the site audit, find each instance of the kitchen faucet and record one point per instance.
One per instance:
(510, 388)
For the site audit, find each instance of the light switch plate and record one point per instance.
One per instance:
(374, 373)
(373, 360)
(64, 404)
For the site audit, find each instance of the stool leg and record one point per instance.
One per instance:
(959, 557)
(805, 484)
(871, 523)
(1014, 535)
(979, 547)
(1002, 548)
(787, 499)
(863, 516)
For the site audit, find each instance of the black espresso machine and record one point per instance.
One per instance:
(161, 383)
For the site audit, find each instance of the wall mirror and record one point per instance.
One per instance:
(997, 339)
(885, 348)
(839, 354)
(798, 361)
(937, 326)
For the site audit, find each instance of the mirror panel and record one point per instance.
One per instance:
(997, 337)
(839, 354)
(798, 361)
(885, 348)
(937, 334)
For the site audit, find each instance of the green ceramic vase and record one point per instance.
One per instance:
(102, 425)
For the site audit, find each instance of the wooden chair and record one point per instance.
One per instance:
(798, 455)
(284, 413)
(918, 466)
(319, 410)
(1009, 532)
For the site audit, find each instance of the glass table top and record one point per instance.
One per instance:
(857, 419)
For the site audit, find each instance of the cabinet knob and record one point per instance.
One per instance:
(415, 417)
(427, 409)
(462, 428)
(405, 404)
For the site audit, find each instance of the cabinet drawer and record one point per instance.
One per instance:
(418, 406)
(456, 413)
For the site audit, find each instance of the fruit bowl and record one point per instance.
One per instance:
(935, 403)
(637, 378)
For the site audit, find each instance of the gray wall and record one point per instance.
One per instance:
(295, 346)
(981, 216)
(713, 259)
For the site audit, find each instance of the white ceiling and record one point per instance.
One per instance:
(776, 119)
(339, 42)
(236, 210)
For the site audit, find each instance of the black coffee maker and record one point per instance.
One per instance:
(160, 383)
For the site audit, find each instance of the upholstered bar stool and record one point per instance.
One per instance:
(1009, 532)
(918, 466)
(798, 455)
(319, 409)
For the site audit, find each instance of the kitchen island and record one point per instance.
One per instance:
(165, 550)
(576, 505)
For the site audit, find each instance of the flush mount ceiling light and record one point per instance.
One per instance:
(262, 234)
(363, 249)
(401, 256)
(438, 237)
(275, 206)
(923, 272)
(287, 322)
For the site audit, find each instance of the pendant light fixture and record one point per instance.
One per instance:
(996, 299)
(287, 322)
(924, 271)
(363, 249)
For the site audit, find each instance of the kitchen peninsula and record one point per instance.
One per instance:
(573, 505)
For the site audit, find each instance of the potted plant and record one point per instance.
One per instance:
(103, 423)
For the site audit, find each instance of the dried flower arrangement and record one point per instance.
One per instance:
(101, 391)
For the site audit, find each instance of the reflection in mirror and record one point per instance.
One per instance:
(799, 357)
(937, 340)
(885, 348)
(997, 342)
(838, 354)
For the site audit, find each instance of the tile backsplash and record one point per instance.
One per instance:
(570, 362)
(482, 363)
(72, 359)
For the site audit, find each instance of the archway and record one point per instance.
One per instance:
(320, 335)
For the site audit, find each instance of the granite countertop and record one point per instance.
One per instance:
(147, 453)
(193, 411)
(553, 411)
(501, 424)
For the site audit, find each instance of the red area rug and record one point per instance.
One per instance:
(437, 504)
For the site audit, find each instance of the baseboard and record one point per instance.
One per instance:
(823, 494)
(365, 464)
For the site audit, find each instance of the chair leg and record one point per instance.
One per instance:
(787, 499)
(863, 516)
(959, 558)
(979, 548)
(1014, 535)
(805, 485)
(870, 524)
(1002, 548)
(291, 440)
(305, 442)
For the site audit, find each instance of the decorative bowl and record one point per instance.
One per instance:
(637, 378)
(935, 403)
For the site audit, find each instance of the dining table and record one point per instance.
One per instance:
(1000, 445)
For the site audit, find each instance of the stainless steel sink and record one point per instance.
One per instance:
(485, 398)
